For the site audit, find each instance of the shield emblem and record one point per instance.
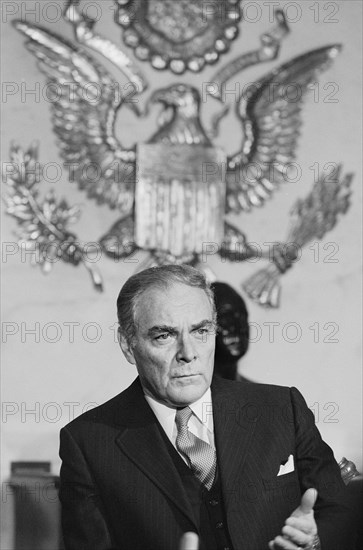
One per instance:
(179, 21)
(179, 34)
(180, 197)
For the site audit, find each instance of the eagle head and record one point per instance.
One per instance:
(179, 122)
(178, 96)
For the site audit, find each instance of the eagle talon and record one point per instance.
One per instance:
(118, 242)
(282, 257)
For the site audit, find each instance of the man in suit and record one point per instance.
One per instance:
(242, 466)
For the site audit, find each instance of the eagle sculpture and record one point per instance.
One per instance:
(174, 191)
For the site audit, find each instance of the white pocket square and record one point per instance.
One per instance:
(287, 467)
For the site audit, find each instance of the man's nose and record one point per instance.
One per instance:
(186, 351)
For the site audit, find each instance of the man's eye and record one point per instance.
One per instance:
(163, 336)
(203, 332)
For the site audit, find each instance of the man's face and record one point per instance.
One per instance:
(174, 345)
(232, 331)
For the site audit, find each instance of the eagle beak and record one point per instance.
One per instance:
(160, 96)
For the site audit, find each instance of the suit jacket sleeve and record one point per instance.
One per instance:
(83, 520)
(318, 468)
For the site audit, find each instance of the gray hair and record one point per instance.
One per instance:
(161, 277)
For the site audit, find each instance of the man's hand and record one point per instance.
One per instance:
(189, 541)
(300, 528)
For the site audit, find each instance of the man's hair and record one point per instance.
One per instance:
(161, 277)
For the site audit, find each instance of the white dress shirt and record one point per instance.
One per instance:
(200, 423)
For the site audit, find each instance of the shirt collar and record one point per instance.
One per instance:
(202, 408)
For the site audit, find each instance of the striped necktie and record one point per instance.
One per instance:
(201, 456)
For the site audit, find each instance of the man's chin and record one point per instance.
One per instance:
(188, 389)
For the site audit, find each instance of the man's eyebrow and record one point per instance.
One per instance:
(205, 323)
(167, 328)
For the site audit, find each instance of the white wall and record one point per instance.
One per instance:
(50, 377)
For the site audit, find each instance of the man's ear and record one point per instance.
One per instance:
(125, 347)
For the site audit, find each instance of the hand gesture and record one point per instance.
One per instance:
(189, 541)
(300, 528)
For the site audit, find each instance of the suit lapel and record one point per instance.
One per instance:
(234, 425)
(142, 442)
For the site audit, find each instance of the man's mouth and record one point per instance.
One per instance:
(186, 375)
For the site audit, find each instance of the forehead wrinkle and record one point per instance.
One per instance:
(165, 316)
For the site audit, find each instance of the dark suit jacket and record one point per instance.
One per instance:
(120, 488)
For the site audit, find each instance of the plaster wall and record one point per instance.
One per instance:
(312, 341)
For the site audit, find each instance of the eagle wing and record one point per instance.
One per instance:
(84, 100)
(270, 112)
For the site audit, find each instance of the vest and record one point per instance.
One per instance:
(208, 506)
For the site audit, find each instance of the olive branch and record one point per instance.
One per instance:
(42, 223)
